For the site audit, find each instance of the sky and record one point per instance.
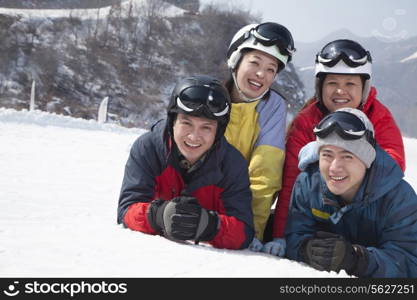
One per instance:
(312, 20)
(59, 185)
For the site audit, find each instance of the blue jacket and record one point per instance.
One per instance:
(221, 183)
(382, 217)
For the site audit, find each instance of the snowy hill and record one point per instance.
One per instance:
(59, 185)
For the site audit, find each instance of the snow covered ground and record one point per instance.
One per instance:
(59, 185)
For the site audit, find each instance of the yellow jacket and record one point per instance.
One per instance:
(257, 130)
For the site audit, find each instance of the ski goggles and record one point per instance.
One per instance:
(353, 54)
(195, 98)
(348, 126)
(268, 34)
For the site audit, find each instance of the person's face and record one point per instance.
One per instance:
(341, 91)
(256, 73)
(194, 135)
(342, 171)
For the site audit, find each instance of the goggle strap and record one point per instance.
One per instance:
(233, 47)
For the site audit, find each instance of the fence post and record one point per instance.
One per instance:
(102, 111)
(32, 97)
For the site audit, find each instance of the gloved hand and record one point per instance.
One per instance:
(155, 215)
(307, 155)
(275, 247)
(331, 252)
(256, 245)
(185, 219)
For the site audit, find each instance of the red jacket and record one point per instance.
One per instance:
(387, 135)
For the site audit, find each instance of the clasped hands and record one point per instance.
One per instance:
(183, 218)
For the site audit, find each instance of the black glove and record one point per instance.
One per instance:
(327, 251)
(185, 219)
(155, 214)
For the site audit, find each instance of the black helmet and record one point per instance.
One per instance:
(200, 96)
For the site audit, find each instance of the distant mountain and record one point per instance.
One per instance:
(394, 73)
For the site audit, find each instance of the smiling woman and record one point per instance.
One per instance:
(256, 55)
(255, 75)
(342, 91)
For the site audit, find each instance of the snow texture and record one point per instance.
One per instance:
(59, 186)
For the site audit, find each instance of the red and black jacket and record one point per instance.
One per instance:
(221, 184)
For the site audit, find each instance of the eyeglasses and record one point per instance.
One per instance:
(195, 98)
(353, 54)
(268, 34)
(348, 126)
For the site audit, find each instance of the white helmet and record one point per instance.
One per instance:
(271, 38)
(344, 57)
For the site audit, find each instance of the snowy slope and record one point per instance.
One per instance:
(59, 184)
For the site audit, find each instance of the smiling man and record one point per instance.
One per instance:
(183, 180)
(353, 211)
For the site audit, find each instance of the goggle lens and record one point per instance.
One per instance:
(350, 48)
(352, 53)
